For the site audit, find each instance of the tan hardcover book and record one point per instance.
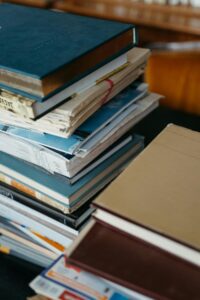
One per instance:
(157, 198)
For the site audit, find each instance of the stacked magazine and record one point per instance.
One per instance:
(69, 99)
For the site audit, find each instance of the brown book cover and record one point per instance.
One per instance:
(160, 189)
(134, 264)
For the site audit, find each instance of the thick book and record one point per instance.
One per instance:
(39, 58)
(87, 92)
(55, 190)
(161, 200)
(133, 263)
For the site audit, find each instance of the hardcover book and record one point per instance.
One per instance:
(85, 93)
(133, 263)
(67, 117)
(161, 204)
(39, 58)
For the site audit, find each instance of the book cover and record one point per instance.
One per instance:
(47, 53)
(162, 192)
(133, 263)
(29, 108)
(89, 91)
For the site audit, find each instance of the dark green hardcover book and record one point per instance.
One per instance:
(45, 51)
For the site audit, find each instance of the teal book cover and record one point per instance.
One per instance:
(59, 184)
(36, 42)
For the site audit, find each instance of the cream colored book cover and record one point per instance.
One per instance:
(160, 190)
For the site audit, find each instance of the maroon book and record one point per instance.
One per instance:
(135, 264)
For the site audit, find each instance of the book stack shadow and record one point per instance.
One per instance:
(70, 96)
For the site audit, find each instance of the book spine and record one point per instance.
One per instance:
(27, 221)
(17, 104)
(31, 192)
(34, 154)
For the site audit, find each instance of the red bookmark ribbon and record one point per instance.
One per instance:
(111, 85)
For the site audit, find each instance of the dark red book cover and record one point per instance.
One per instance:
(135, 264)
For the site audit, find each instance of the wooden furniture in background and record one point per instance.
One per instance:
(173, 74)
(34, 3)
(176, 75)
(156, 22)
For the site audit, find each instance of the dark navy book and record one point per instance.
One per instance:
(44, 51)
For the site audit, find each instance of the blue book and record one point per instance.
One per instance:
(44, 51)
(56, 188)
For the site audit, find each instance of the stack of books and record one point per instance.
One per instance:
(68, 100)
(143, 241)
